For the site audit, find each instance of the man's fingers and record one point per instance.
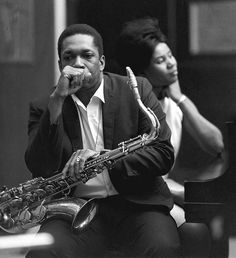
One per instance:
(65, 170)
(77, 81)
(76, 163)
(77, 170)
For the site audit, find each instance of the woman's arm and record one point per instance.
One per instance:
(204, 132)
(208, 136)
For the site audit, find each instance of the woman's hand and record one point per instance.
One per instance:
(174, 91)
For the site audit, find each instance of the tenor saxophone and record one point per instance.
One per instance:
(32, 202)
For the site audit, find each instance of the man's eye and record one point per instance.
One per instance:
(88, 56)
(67, 58)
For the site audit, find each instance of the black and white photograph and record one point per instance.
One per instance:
(118, 129)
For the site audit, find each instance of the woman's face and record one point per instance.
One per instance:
(162, 69)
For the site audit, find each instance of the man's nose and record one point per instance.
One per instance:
(78, 62)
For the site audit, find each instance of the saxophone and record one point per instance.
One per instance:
(32, 202)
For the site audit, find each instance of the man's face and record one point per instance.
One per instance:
(79, 51)
(162, 70)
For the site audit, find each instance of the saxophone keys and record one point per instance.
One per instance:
(3, 188)
(49, 189)
(6, 221)
(39, 213)
(29, 198)
(24, 216)
(4, 197)
(17, 202)
(40, 193)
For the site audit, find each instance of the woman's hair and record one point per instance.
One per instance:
(136, 43)
(81, 29)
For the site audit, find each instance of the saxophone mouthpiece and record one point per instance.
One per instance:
(132, 82)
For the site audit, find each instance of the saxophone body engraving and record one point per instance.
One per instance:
(34, 201)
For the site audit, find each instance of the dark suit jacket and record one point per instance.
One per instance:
(138, 175)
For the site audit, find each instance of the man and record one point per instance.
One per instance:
(89, 111)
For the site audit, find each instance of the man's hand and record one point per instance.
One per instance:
(71, 80)
(75, 164)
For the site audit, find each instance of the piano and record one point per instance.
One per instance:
(213, 201)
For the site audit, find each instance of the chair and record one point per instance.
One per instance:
(212, 201)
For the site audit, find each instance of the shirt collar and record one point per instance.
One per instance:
(99, 93)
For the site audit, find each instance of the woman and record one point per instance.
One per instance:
(142, 46)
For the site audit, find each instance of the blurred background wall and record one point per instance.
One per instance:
(28, 64)
(26, 72)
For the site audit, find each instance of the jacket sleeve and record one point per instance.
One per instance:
(43, 155)
(153, 160)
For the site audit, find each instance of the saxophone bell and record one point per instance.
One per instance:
(78, 211)
(81, 212)
(85, 215)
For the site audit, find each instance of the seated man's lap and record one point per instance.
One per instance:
(141, 233)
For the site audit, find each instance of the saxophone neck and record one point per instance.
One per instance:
(154, 122)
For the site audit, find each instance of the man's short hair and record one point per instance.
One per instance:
(81, 29)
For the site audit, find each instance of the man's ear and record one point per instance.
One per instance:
(102, 63)
(60, 65)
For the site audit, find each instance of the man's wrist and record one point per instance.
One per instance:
(56, 98)
(55, 107)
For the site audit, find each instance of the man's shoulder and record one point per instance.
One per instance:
(121, 77)
(114, 76)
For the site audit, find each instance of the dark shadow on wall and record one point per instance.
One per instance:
(107, 16)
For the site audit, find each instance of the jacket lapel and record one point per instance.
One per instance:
(108, 111)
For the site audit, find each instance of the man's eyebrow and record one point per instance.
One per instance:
(67, 51)
(87, 50)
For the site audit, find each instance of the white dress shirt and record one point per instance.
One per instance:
(91, 123)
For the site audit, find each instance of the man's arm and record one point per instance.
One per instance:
(47, 138)
(45, 142)
(156, 158)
